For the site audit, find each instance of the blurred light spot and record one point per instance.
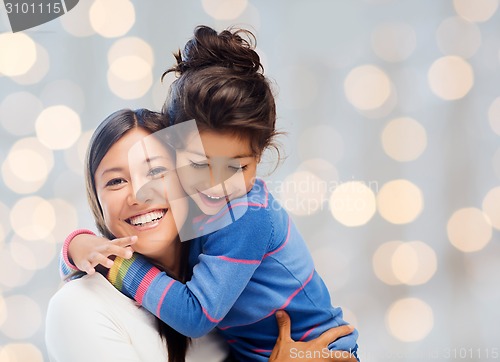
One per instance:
(20, 352)
(333, 266)
(404, 139)
(384, 110)
(64, 92)
(456, 36)
(352, 203)
(224, 9)
(18, 53)
(469, 229)
(491, 206)
(66, 218)
(58, 127)
(381, 262)
(410, 319)
(367, 87)
(112, 18)
(414, 263)
(130, 68)
(320, 167)
(27, 166)
(32, 218)
(12, 275)
(302, 193)
(321, 141)
(298, 87)
(2, 236)
(130, 77)
(494, 116)
(475, 10)
(450, 77)
(400, 201)
(4, 218)
(33, 254)
(131, 47)
(18, 112)
(75, 155)
(77, 23)
(39, 70)
(23, 317)
(394, 42)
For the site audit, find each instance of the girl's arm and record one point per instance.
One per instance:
(228, 261)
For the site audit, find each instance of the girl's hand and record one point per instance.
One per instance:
(87, 251)
(287, 350)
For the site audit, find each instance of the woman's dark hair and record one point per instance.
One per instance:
(221, 85)
(111, 130)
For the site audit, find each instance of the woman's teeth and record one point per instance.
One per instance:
(147, 218)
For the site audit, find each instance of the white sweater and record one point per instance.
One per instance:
(89, 320)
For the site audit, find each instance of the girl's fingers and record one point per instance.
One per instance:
(87, 267)
(126, 241)
(102, 259)
(121, 251)
(335, 333)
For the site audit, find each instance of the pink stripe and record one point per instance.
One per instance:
(261, 350)
(231, 341)
(213, 320)
(240, 261)
(308, 333)
(146, 281)
(287, 302)
(282, 245)
(163, 297)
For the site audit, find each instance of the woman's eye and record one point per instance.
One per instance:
(198, 165)
(157, 172)
(115, 182)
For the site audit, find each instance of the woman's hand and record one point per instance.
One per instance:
(287, 350)
(87, 251)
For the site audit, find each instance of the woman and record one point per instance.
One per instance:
(88, 319)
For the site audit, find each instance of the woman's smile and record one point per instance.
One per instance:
(147, 220)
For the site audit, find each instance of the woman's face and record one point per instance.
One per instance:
(140, 194)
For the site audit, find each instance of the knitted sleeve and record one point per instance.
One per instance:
(66, 267)
(225, 266)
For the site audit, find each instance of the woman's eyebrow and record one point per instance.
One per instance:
(113, 169)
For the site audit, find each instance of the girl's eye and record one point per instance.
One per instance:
(115, 182)
(198, 165)
(238, 168)
(157, 172)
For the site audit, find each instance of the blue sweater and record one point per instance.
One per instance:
(242, 274)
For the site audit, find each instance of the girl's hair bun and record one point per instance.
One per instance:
(229, 49)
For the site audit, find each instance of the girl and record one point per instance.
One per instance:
(251, 264)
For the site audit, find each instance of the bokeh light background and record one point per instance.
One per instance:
(392, 174)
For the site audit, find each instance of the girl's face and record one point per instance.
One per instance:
(220, 168)
(140, 194)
